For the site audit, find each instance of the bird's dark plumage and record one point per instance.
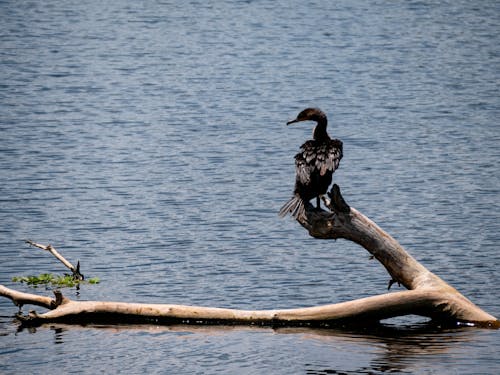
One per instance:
(314, 164)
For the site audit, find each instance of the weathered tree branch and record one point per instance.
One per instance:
(75, 270)
(348, 223)
(428, 295)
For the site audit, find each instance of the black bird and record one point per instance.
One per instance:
(314, 164)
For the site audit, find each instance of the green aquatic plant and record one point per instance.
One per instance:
(53, 280)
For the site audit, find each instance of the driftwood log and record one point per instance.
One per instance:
(427, 294)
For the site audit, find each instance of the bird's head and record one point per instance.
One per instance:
(310, 114)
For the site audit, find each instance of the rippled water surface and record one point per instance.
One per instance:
(148, 140)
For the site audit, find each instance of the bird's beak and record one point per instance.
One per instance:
(293, 121)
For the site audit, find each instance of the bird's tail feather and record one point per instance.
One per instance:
(295, 206)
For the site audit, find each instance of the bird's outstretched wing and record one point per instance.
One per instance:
(314, 156)
(303, 169)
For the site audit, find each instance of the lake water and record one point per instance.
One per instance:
(148, 141)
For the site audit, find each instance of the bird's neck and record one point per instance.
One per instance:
(319, 132)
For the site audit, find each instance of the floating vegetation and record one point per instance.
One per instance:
(53, 280)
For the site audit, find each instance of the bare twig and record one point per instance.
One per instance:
(75, 270)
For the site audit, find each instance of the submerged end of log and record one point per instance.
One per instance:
(20, 298)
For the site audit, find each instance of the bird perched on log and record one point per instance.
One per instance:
(314, 164)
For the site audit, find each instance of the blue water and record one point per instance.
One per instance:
(148, 141)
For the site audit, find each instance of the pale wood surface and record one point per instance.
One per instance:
(428, 295)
